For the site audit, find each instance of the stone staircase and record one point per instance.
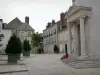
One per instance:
(80, 64)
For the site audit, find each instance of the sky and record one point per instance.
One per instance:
(40, 12)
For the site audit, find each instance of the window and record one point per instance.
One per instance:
(29, 33)
(49, 33)
(22, 33)
(55, 31)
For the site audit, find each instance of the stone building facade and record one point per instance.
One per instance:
(62, 33)
(55, 34)
(63, 40)
(22, 30)
(50, 37)
(84, 29)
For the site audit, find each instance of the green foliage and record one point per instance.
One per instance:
(14, 45)
(26, 45)
(36, 39)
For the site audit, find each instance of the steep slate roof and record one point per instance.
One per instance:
(14, 24)
(25, 27)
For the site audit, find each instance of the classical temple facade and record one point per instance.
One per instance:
(83, 19)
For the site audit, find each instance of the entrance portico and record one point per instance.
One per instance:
(76, 17)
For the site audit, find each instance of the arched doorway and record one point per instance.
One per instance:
(56, 49)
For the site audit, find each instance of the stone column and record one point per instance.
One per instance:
(75, 40)
(69, 39)
(82, 32)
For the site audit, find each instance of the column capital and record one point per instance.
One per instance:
(74, 23)
(70, 23)
(82, 16)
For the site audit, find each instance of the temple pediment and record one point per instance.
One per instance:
(75, 12)
(74, 9)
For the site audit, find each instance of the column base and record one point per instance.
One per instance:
(83, 57)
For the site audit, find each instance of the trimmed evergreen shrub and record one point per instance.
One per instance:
(26, 45)
(14, 45)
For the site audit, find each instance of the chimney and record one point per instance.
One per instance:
(53, 22)
(48, 25)
(62, 20)
(73, 2)
(27, 19)
(1, 22)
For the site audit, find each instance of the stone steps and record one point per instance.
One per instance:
(81, 63)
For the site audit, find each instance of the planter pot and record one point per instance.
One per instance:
(26, 53)
(13, 57)
(18, 56)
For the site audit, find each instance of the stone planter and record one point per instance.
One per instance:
(26, 53)
(18, 56)
(13, 57)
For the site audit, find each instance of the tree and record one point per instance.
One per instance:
(14, 45)
(26, 46)
(36, 39)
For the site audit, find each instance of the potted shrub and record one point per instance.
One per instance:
(56, 50)
(13, 49)
(26, 48)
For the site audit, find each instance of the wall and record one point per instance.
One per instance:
(50, 41)
(62, 39)
(25, 35)
(7, 35)
(93, 25)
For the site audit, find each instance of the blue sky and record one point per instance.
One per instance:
(40, 11)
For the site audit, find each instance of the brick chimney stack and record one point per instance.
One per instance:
(27, 19)
(53, 22)
(62, 20)
(48, 25)
(1, 22)
(62, 15)
(73, 2)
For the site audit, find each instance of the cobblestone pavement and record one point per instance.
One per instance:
(50, 64)
(12, 69)
(47, 64)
